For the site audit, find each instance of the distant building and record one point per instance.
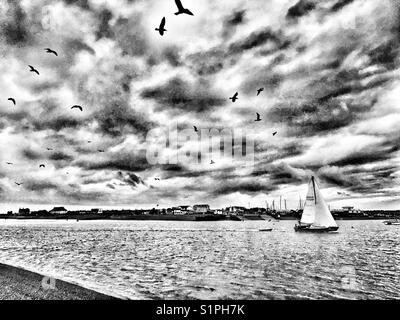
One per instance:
(201, 208)
(236, 210)
(58, 210)
(24, 211)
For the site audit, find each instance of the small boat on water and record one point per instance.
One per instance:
(395, 222)
(316, 216)
(265, 230)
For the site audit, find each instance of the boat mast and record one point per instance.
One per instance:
(315, 195)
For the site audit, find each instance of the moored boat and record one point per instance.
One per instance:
(316, 216)
(395, 222)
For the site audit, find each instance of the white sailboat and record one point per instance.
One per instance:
(316, 216)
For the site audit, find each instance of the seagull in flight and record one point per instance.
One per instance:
(258, 117)
(32, 69)
(18, 184)
(12, 100)
(157, 179)
(195, 129)
(259, 91)
(77, 107)
(50, 149)
(235, 97)
(274, 134)
(212, 162)
(161, 29)
(181, 9)
(100, 150)
(10, 163)
(48, 50)
(42, 166)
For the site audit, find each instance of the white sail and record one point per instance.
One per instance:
(316, 211)
(308, 216)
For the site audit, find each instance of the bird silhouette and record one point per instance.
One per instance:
(258, 117)
(195, 129)
(235, 97)
(274, 134)
(89, 141)
(100, 150)
(77, 107)
(48, 50)
(161, 29)
(32, 69)
(158, 179)
(212, 162)
(12, 100)
(50, 149)
(18, 184)
(259, 91)
(42, 166)
(181, 9)
(10, 163)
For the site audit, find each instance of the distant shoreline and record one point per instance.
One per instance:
(20, 284)
(172, 218)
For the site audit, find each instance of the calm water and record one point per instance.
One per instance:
(210, 260)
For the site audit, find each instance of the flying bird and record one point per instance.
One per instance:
(157, 179)
(32, 69)
(50, 149)
(12, 100)
(259, 91)
(274, 134)
(89, 141)
(258, 117)
(212, 162)
(42, 166)
(18, 184)
(181, 9)
(161, 29)
(100, 150)
(195, 129)
(10, 163)
(48, 50)
(235, 97)
(77, 107)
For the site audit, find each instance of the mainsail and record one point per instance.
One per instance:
(316, 212)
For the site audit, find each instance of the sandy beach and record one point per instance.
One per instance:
(20, 284)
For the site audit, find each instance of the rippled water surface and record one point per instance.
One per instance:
(210, 260)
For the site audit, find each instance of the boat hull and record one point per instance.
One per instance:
(299, 228)
(390, 223)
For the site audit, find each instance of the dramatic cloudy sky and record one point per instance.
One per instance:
(330, 70)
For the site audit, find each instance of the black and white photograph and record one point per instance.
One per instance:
(177, 150)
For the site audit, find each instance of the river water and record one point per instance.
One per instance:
(210, 260)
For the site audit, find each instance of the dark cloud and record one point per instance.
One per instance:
(104, 30)
(241, 186)
(131, 179)
(84, 4)
(60, 156)
(180, 95)
(132, 162)
(118, 118)
(340, 4)
(231, 22)
(300, 9)
(15, 30)
(31, 154)
(39, 185)
(257, 39)
(130, 36)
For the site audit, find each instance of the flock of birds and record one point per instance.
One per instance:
(161, 30)
(14, 102)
